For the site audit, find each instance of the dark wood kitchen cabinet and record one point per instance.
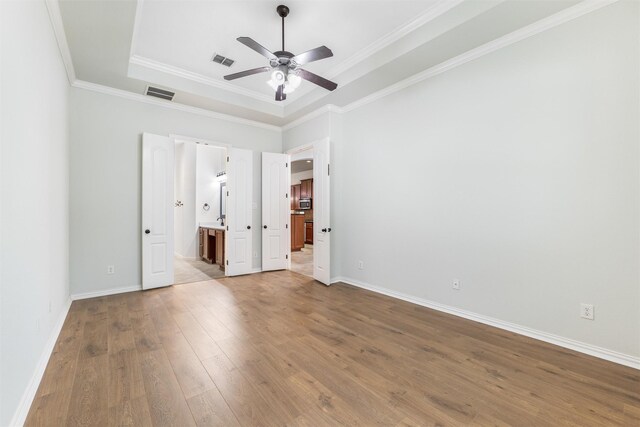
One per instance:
(308, 233)
(297, 232)
(295, 197)
(306, 189)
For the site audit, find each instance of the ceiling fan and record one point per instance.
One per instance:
(284, 66)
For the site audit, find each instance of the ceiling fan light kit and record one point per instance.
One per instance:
(286, 74)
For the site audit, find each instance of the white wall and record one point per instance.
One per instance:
(105, 180)
(209, 161)
(517, 174)
(34, 278)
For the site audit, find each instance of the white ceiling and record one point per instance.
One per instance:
(186, 34)
(129, 44)
(301, 166)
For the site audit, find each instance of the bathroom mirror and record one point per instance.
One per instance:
(223, 200)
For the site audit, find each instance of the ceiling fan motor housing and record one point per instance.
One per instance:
(283, 11)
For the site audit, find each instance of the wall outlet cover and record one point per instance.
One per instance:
(111, 269)
(456, 285)
(586, 311)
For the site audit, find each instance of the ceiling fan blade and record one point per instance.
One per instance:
(252, 44)
(312, 55)
(314, 78)
(280, 95)
(246, 73)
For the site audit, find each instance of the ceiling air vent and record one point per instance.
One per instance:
(160, 93)
(223, 60)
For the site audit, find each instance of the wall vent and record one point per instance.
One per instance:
(160, 93)
(223, 60)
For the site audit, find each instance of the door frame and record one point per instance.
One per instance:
(182, 138)
(309, 146)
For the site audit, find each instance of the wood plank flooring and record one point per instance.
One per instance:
(278, 349)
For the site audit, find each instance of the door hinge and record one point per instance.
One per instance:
(286, 165)
(286, 226)
(227, 194)
(287, 256)
(227, 262)
(286, 195)
(328, 169)
(227, 228)
(227, 159)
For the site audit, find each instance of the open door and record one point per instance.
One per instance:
(276, 207)
(321, 213)
(157, 211)
(239, 238)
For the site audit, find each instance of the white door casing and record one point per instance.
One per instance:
(157, 211)
(239, 237)
(321, 212)
(276, 207)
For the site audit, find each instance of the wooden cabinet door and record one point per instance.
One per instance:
(297, 232)
(201, 242)
(295, 197)
(220, 259)
(306, 189)
(308, 233)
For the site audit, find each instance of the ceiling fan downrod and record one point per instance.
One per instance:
(283, 11)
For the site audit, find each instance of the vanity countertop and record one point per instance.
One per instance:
(213, 225)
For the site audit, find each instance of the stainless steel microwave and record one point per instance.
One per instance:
(305, 204)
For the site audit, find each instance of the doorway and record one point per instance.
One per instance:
(296, 211)
(302, 213)
(228, 244)
(199, 211)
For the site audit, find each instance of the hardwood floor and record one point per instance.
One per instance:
(279, 349)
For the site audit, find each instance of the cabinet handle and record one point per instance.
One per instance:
(147, 231)
(329, 229)
(248, 227)
(324, 230)
(264, 226)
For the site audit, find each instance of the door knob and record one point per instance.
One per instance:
(248, 227)
(147, 231)
(264, 226)
(324, 230)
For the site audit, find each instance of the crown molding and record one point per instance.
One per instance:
(552, 21)
(566, 15)
(199, 78)
(81, 84)
(328, 108)
(53, 8)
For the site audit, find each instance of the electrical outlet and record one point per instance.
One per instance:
(111, 269)
(586, 311)
(456, 285)
(360, 265)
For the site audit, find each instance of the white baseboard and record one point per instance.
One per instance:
(592, 350)
(106, 292)
(20, 416)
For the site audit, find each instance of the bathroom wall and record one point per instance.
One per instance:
(209, 161)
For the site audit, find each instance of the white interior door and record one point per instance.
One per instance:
(276, 207)
(239, 238)
(157, 211)
(321, 216)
